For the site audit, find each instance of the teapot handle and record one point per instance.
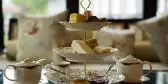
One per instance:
(5, 72)
(150, 67)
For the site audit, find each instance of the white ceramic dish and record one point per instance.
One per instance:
(74, 57)
(85, 25)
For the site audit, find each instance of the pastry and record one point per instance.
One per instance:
(93, 19)
(88, 13)
(92, 43)
(81, 47)
(102, 49)
(103, 20)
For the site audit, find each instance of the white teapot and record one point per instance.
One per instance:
(132, 68)
(27, 71)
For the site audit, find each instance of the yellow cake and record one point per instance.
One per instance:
(76, 18)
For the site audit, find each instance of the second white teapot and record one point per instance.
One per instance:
(132, 68)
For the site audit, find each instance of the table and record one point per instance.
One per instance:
(156, 77)
(10, 73)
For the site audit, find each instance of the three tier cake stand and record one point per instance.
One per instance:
(84, 26)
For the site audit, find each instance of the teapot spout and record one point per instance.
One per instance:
(41, 62)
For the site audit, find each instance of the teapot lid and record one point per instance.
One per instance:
(27, 63)
(130, 59)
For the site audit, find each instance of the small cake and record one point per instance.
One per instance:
(103, 20)
(76, 18)
(93, 19)
(81, 47)
(87, 12)
(92, 43)
(102, 49)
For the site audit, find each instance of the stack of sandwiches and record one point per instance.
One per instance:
(86, 47)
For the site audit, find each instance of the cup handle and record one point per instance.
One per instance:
(150, 67)
(5, 72)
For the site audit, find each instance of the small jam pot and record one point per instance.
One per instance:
(99, 80)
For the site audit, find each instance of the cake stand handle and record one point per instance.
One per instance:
(87, 6)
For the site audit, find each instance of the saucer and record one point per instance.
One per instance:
(116, 78)
(63, 63)
(143, 79)
(38, 83)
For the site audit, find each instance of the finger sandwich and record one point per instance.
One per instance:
(81, 47)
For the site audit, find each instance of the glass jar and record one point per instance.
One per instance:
(75, 76)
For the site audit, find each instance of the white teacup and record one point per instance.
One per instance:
(132, 70)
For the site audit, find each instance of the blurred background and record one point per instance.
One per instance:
(123, 13)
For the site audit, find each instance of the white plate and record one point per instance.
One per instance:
(85, 25)
(63, 63)
(143, 79)
(74, 57)
(38, 83)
